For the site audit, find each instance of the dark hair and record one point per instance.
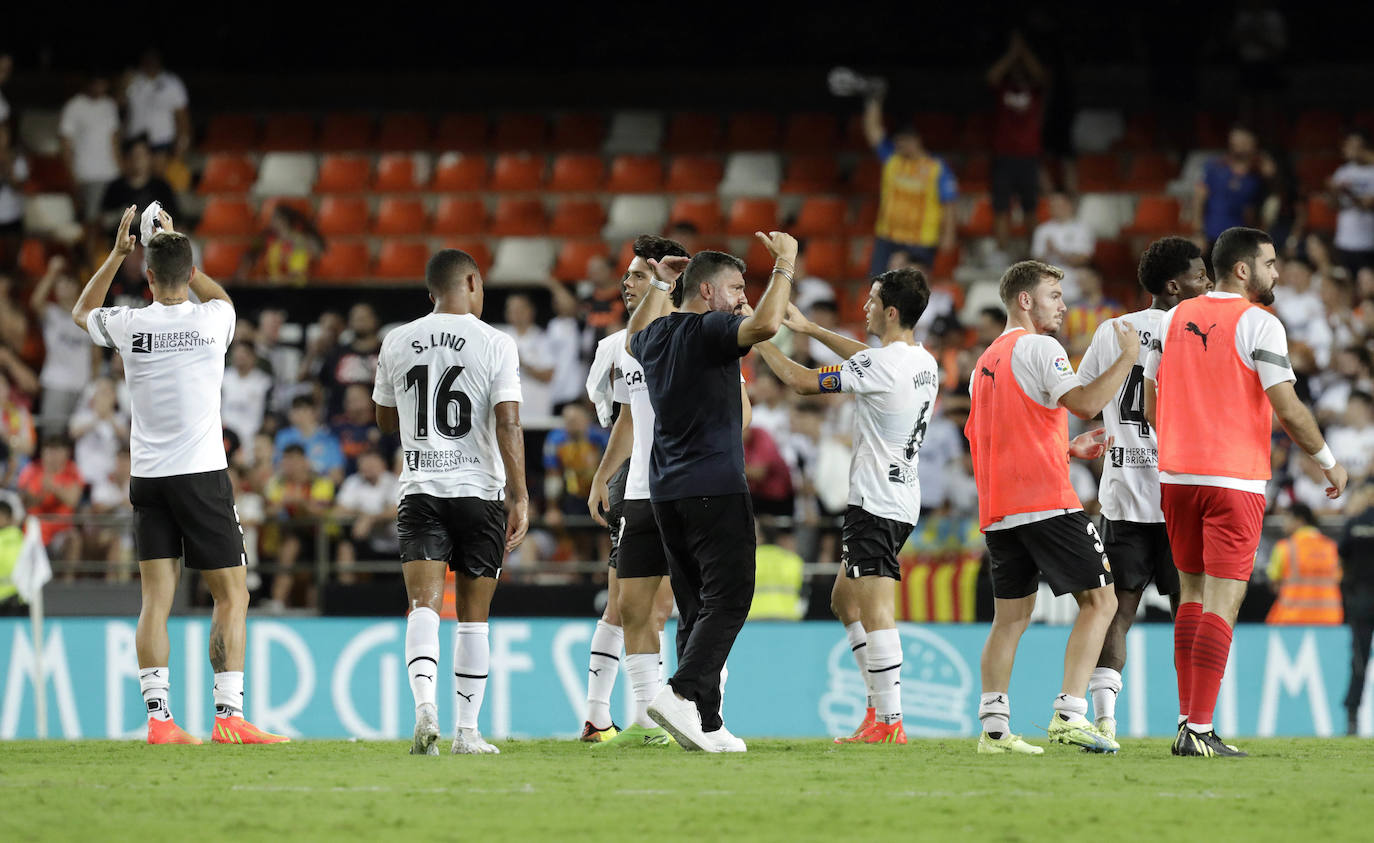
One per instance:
(996, 314)
(652, 246)
(703, 269)
(302, 401)
(907, 290)
(6, 509)
(446, 268)
(1236, 245)
(1165, 259)
(293, 449)
(1303, 513)
(1357, 132)
(685, 226)
(1024, 277)
(824, 304)
(169, 258)
(135, 141)
(56, 440)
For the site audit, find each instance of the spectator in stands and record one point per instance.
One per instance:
(1352, 441)
(139, 185)
(769, 406)
(320, 446)
(368, 500)
(1019, 80)
(353, 360)
(1300, 304)
(915, 207)
(571, 456)
(1351, 368)
(1232, 186)
(51, 488)
(14, 172)
(282, 359)
(287, 249)
(1353, 186)
(111, 541)
(6, 68)
(600, 302)
(252, 510)
(244, 392)
(565, 336)
(67, 360)
(770, 480)
(1356, 548)
(17, 434)
(686, 234)
(1305, 572)
(89, 127)
(1092, 309)
(99, 431)
(158, 110)
(1064, 241)
(356, 428)
(11, 542)
(825, 313)
(991, 322)
(295, 496)
(536, 358)
(808, 288)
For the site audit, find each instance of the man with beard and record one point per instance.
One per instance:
(353, 363)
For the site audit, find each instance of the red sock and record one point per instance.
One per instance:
(1210, 651)
(1185, 630)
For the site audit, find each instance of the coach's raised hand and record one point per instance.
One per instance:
(767, 317)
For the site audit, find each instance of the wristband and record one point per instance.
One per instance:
(659, 284)
(1324, 458)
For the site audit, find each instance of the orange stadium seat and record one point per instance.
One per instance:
(752, 130)
(1315, 169)
(227, 172)
(1321, 214)
(853, 138)
(222, 258)
(863, 221)
(402, 259)
(1155, 216)
(300, 203)
(456, 173)
(457, 215)
(939, 130)
(48, 174)
(404, 133)
(577, 172)
(821, 216)
(980, 219)
(694, 174)
(1317, 130)
(578, 131)
(975, 175)
(343, 173)
(1210, 129)
(1098, 173)
(33, 257)
(401, 216)
(858, 268)
(230, 133)
(462, 132)
(343, 216)
(867, 176)
(577, 218)
(827, 257)
(1150, 172)
(750, 215)
(343, 260)
(289, 133)
(704, 213)
(396, 173)
(573, 256)
(346, 132)
(946, 261)
(519, 218)
(811, 132)
(476, 249)
(520, 132)
(811, 174)
(635, 174)
(1141, 132)
(758, 262)
(692, 132)
(518, 171)
(226, 217)
(976, 134)
(1114, 260)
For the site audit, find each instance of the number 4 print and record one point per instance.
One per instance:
(1131, 403)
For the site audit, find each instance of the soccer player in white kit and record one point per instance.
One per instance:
(173, 353)
(450, 383)
(895, 387)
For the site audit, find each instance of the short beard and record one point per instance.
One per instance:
(1260, 296)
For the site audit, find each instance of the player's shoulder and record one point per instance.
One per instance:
(1032, 343)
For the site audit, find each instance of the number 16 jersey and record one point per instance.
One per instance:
(445, 374)
(1130, 471)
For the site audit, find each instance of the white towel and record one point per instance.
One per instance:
(150, 225)
(601, 378)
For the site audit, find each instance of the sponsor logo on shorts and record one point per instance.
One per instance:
(146, 343)
(1134, 457)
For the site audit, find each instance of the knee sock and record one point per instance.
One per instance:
(1185, 630)
(858, 645)
(645, 682)
(994, 709)
(885, 674)
(422, 654)
(1070, 708)
(1211, 649)
(662, 659)
(601, 671)
(724, 676)
(153, 681)
(229, 693)
(1104, 686)
(471, 660)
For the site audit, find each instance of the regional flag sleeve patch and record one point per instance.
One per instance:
(829, 378)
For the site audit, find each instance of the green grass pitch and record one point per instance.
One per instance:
(1292, 790)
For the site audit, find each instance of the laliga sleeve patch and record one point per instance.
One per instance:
(1062, 367)
(829, 378)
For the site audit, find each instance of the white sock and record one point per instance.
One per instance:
(724, 677)
(422, 654)
(994, 709)
(1104, 686)
(644, 679)
(662, 659)
(153, 681)
(229, 693)
(471, 661)
(858, 645)
(884, 672)
(1200, 728)
(601, 671)
(1071, 708)
(1182, 719)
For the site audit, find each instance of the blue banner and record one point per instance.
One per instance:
(332, 678)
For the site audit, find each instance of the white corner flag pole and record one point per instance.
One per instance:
(32, 571)
(40, 673)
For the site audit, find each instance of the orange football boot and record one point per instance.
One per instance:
(238, 730)
(870, 717)
(167, 731)
(881, 733)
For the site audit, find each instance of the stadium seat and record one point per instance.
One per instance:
(343, 173)
(694, 174)
(1321, 214)
(1210, 129)
(946, 262)
(975, 175)
(457, 215)
(404, 133)
(573, 256)
(577, 218)
(462, 132)
(221, 258)
(519, 217)
(577, 172)
(859, 266)
(752, 130)
(397, 173)
(751, 174)
(346, 132)
(33, 257)
(520, 132)
(230, 133)
(828, 258)
(758, 263)
(285, 174)
(289, 133)
(867, 176)
(635, 174)
(38, 131)
(522, 259)
(704, 213)
(1150, 172)
(224, 216)
(939, 130)
(518, 171)
(634, 133)
(1315, 169)
(750, 215)
(227, 172)
(821, 216)
(1141, 132)
(269, 205)
(343, 216)
(1105, 213)
(1155, 216)
(578, 131)
(1114, 260)
(980, 219)
(1098, 173)
(1317, 130)
(862, 223)
(48, 174)
(459, 173)
(811, 174)
(976, 133)
(692, 132)
(343, 260)
(476, 249)
(811, 132)
(402, 259)
(400, 216)
(631, 216)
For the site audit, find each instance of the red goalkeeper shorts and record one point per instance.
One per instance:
(1213, 531)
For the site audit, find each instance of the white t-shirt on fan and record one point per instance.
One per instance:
(90, 124)
(67, 351)
(153, 104)
(244, 402)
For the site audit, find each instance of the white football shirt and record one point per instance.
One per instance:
(445, 373)
(174, 365)
(1129, 490)
(632, 389)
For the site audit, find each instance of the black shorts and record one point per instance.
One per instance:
(641, 546)
(869, 544)
(467, 533)
(1065, 549)
(1019, 177)
(616, 494)
(1140, 553)
(190, 516)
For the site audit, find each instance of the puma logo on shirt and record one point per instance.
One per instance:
(1192, 328)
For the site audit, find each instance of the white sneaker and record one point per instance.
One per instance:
(469, 742)
(426, 731)
(680, 718)
(725, 742)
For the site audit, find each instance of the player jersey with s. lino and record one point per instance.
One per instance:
(1130, 473)
(445, 373)
(895, 387)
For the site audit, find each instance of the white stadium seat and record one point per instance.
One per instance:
(285, 174)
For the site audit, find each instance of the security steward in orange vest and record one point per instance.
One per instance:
(1305, 570)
